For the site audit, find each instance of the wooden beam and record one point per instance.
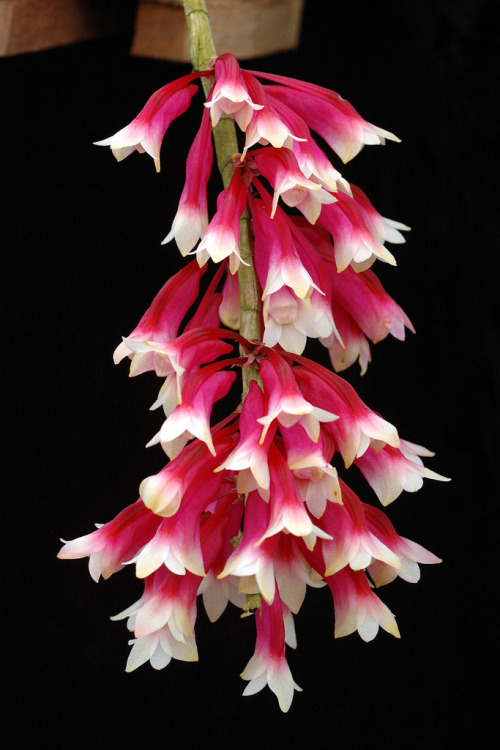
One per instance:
(31, 25)
(247, 28)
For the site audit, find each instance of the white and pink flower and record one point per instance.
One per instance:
(146, 131)
(268, 665)
(191, 220)
(250, 509)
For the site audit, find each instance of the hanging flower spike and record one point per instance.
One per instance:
(146, 131)
(268, 665)
(229, 94)
(191, 219)
(251, 510)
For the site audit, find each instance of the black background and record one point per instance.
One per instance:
(81, 260)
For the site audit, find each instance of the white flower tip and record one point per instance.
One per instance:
(170, 236)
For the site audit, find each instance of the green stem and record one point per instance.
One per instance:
(202, 51)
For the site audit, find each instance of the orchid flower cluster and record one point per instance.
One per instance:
(251, 509)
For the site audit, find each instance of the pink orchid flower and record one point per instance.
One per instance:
(168, 599)
(286, 403)
(350, 345)
(353, 243)
(365, 299)
(409, 553)
(281, 169)
(163, 492)
(265, 125)
(115, 543)
(268, 665)
(191, 418)
(250, 457)
(146, 131)
(230, 94)
(353, 543)
(327, 113)
(277, 260)
(221, 239)
(357, 607)
(191, 220)
(357, 426)
(391, 470)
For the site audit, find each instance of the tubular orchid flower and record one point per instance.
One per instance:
(286, 402)
(312, 161)
(354, 544)
(191, 220)
(391, 470)
(159, 648)
(221, 239)
(168, 599)
(289, 321)
(357, 427)
(164, 492)
(315, 477)
(161, 321)
(384, 230)
(146, 131)
(230, 94)
(114, 544)
(326, 112)
(191, 418)
(281, 169)
(268, 665)
(357, 607)
(350, 345)
(265, 125)
(250, 456)
(276, 257)
(365, 300)
(352, 240)
(409, 553)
